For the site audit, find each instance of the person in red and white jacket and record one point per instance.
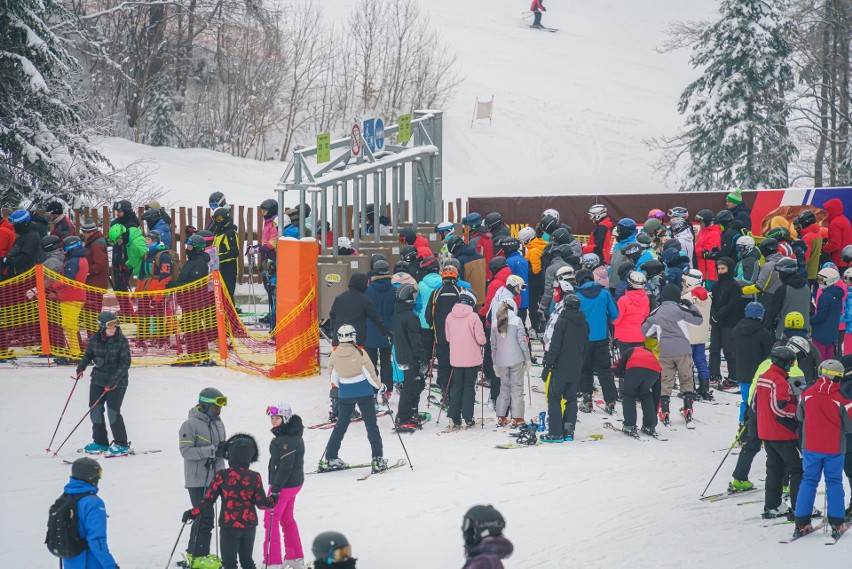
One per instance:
(775, 406)
(825, 416)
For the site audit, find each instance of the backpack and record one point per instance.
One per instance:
(63, 536)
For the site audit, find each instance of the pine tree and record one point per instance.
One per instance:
(736, 114)
(44, 151)
(161, 126)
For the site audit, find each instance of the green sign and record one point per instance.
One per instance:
(404, 134)
(323, 147)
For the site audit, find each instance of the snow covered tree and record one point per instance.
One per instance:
(44, 148)
(736, 115)
(161, 126)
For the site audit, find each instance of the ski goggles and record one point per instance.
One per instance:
(112, 324)
(220, 401)
(219, 217)
(339, 554)
(276, 411)
(214, 205)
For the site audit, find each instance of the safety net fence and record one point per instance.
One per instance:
(45, 313)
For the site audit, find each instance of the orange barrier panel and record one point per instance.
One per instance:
(221, 333)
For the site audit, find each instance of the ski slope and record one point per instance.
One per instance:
(571, 108)
(608, 504)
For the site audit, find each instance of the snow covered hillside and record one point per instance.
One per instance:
(613, 503)
(571, 108)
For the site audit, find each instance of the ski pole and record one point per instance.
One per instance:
(431, 362)
(169, 562)
(405, 450)
(61, 415)
(727, 454)
(95, 404)
(481, 397)
(444, 397)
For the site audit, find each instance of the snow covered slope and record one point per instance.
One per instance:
(608, 504)
(571, 108)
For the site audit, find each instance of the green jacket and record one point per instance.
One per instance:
(133, 242)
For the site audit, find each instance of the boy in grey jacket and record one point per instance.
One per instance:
(668, 323)
(201, 436)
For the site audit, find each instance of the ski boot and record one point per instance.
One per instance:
(379, 464)
(663, 411)
(469, 423)
(609, 408)
(838, 529)
(801, 531)
(542, 421)
(95, 448)
(630, 431)
(586, 405)
(568, 428)
(517, 423)
(728, 385)
(781, 511)
(739, 486)
(688, 398)
(116, 449)
(331, 464)
(552, 438)
(356, 415)
(198, 562)
(650, 431)
(785, 490)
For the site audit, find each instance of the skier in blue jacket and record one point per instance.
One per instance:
(91, 517)
(600, 310)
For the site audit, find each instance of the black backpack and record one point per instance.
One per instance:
(63, 536)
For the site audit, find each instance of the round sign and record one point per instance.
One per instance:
(355, 140)
(380, 134)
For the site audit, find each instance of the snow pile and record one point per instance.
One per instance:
(613, 503)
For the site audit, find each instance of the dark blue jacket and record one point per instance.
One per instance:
(826, 321)
(599, 308)
(383, 295)
(520, 267)
(92, 525)
(165, 233)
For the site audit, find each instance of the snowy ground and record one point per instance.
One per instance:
(571, 108)
(613, 503)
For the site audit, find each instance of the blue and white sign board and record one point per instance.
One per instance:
(380, 134)
(369, 129)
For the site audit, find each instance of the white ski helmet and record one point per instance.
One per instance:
(636, 280)
(597, 212)
(282, 410)
(692, 279)
(590, 261)
(746, 243)
(847, 274)
(344, 243)
(516, 282)
(526, 235)
(346, 333)
(550, 212)
(284, 220)
(828, 276)
(801, 346)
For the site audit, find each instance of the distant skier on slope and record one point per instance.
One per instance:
(537, 8)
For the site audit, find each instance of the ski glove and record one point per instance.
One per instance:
(221, 450)
(424, 369)
(189, 515)
(78, 374)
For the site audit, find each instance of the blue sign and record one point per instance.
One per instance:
(370, 134)
(380, 134)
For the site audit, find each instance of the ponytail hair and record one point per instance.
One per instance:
(503, 318)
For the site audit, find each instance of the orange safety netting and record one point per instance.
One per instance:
(42, 312)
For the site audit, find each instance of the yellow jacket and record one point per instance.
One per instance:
(534, 250)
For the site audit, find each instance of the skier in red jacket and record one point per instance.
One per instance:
(839, 232)
(537, 8)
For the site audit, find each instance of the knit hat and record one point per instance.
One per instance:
(670, 293)
(754, 310)
(735, 197)
(88, 226)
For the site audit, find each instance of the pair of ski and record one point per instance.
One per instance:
(612, 427)
(728, 494)
(398, 464)
(331, 424)
(131, 452)
(834, 538)
(449, 429)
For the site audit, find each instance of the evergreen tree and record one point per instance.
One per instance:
(43, 148)
(161, 126)
(736, 113)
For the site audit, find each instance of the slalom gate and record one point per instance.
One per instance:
(44, 313)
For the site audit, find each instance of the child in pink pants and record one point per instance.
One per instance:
(286, 476)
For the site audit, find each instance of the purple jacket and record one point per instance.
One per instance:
(487, 554)
(465, 336)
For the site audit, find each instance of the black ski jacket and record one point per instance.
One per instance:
(287, 455)
(353, 307)
(568, 345)
(407, 342)
(727, 307)
(439, 306)
(111, 356)
(753, 343)
(194, 269)
(25, 252)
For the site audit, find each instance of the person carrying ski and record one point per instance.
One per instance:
(537, 8)
(568, 346)
(666, 324)
(825, 416)
(355, 376)
(286, 477)
(640, 372)
(775, 406)
(202, 446)
(109, 350)
(485, 546)
(511, 356)
(91, 518)
(241, 489)
(600, 310)
(465, 337)
(412, 359)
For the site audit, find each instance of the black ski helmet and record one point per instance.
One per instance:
(151, 216)
(497, 264)
(54, 207)
(724, 217)
(560, 236)
(241, 450)
(49, 243)
(86, 469)
(787, 266)
(453, 263)
(454, 245)
(408, 254)
(408, 234)
(768, 247)
(548, 224)
(123, 205)
(584, 276)
(782, 356)
(105, 318)
(376, 257)
(806, 218)
(381, 268)
(778, 233)
(493, 221)
(197, 242)
(223, 212)
(331, 547)
(705, 216)
(652, 268)
(407, 293)
(510, 245)
(479, 522)
(571, 302)
(271, 207)
(216, 200)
